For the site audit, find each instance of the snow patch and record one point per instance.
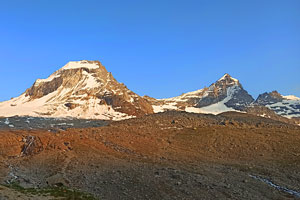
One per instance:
(184, 97)
(90, 81)
(278, 187)
(162, 108)
(49, 79)
(291, 97)
(80, 64)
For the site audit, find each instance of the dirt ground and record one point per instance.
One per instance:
(172, 155)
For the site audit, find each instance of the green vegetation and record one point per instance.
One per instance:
(61, 193)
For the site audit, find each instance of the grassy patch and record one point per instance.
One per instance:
(62, 193)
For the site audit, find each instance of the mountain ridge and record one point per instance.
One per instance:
(85, 89)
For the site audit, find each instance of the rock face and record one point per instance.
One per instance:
(226, 94)
(286, 106)
(81, 89)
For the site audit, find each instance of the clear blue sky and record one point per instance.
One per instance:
(159, 48)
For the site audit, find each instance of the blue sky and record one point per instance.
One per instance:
(158, 48)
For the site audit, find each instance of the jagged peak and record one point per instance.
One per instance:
(267, 97)
(225, 81)
(275, 94)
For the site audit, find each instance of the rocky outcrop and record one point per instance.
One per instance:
(32, 145)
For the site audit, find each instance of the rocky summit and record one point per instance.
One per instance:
(85, 89)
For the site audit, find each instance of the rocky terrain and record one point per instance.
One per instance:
(171, 155)
(85, 89)
(50, 124)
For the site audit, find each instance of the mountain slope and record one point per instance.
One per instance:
(82, 89)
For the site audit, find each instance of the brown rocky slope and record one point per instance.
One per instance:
(172, 155)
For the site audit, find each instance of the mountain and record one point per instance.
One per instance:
(226, 94)
(286, 106)
(85, 89)
(82, 89)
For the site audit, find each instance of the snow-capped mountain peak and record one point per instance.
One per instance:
(226, 94)
(82, 89)
(84, 64)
